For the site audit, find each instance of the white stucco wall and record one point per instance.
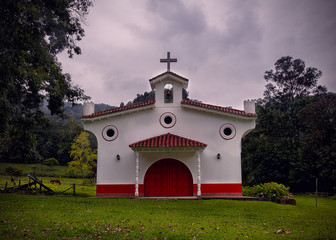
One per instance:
(196, 124)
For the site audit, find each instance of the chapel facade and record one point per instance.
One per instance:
(169, 147)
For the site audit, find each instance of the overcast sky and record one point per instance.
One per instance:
(223, 47)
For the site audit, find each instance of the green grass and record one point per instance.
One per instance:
(41, 170)
(63, 216)
(88, 190)
(68, 217)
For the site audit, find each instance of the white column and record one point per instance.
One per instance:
(198, 174)
(137, 174)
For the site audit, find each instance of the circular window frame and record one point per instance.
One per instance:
(106, 129)
(231, 127)
(162, 120)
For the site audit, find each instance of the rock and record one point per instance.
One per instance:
(285, 201)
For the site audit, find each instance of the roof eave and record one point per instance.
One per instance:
(218, 112)
(114, 114)
(168, 149)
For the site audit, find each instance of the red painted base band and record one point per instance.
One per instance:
(115, 188)
(221, 188)
(206, 189)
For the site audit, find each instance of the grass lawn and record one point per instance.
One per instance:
(41, 170)
(68, 217)
(88, 190)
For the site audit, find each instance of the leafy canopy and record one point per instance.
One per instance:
(84, 158)
(294, 140)
(32, 33)
(291, 79)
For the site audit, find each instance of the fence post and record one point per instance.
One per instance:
(316, 192)
(6, 186)
(74, 189)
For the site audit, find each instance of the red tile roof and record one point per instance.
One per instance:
(183, 102)
(167, 141)
(119, 109)
(218, 108)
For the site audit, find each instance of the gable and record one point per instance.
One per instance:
(169, 76)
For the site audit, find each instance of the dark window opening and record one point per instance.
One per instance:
(168, 120)
(168, 93)
(110, 133)
(227, 131)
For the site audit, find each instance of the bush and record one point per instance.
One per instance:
(270, 190)
(14, 172)
(51, 162)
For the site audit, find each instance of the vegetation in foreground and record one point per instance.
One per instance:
(67, 217)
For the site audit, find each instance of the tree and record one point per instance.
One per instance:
(32, 33)
(84, 158)
(51, 162)
(319, 143)
(271, 149)
(68, 132)
(291, 79)
(14, 173)
(146, 96)
(294, 140)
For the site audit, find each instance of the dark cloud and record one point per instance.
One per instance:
(223, 47)
(175, 18)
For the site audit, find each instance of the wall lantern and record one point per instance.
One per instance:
(218, 156)
(118, 157)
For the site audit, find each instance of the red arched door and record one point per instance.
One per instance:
(168, 177)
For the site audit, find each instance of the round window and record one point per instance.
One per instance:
(110, 133)
(227, 131)
(168, 120)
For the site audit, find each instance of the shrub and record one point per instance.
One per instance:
(51, 162)
(270, 190)
(14, 173)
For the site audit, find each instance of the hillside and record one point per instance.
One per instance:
(73, 111)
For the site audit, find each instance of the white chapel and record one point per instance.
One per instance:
(169, 146)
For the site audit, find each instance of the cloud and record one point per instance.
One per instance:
(223, 47)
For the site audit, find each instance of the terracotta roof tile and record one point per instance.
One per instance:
(167, 140)
(218, 108)
(119, 109)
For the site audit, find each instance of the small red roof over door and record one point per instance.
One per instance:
(167, 141)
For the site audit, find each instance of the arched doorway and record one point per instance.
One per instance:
(168, 177)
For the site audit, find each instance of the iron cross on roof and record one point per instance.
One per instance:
(168, 60)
